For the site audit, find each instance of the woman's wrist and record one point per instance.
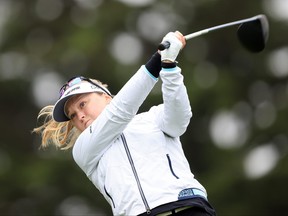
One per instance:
(168, 64)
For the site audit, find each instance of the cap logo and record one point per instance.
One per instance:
(74, 89)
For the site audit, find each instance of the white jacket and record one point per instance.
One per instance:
(137, 161)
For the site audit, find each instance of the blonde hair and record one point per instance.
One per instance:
(60, 134)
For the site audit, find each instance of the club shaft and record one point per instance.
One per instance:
(166, 44)
(205, 31)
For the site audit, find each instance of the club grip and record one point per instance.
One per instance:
(164, 45)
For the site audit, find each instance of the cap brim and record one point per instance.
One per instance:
(58, 111)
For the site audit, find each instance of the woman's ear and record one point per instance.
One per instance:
(107, 97)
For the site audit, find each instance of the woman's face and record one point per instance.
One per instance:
(85, 108)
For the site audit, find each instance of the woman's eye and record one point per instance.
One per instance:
(82, 104)
(72, 116)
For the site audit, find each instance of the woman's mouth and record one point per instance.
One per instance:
(87, 124)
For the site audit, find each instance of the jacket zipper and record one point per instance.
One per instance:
(148, 210)
(171, 168)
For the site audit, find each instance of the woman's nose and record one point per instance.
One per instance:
(81, 116)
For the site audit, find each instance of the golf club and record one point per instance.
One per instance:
(252, 33)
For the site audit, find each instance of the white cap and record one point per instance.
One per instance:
(80, 88)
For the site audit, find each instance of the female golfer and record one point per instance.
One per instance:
(135, 160)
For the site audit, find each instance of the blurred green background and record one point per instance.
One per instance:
(236, 142)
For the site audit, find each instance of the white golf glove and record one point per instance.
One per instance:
(172, 52)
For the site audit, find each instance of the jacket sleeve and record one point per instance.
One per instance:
(99, 136)
(176, 114)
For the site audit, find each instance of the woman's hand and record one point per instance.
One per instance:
(177, 42)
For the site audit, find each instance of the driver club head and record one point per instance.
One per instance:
(253, 35)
